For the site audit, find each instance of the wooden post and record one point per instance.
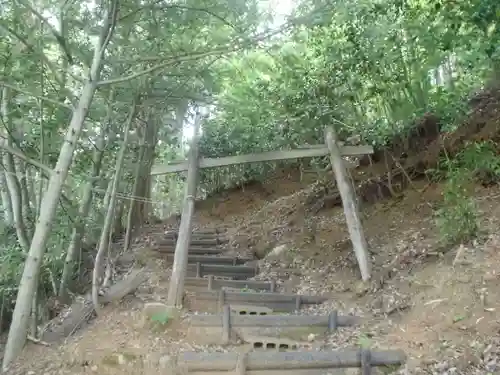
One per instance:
(349, 203)
(176, 288)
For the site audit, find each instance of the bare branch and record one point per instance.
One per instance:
(111, 19)
(171, 6)
(11, 150)
(59, 38)
(140, 59)
(187, 57)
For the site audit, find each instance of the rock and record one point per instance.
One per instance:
(121, 359)
(165, 362)
(277, 252)
(311, 337)
(126, 259)
(442, 366)
(155, 309)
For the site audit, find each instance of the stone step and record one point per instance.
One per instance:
(230, 326)
(207, 231)
(334, 362)
(214, 301)
(193, 250)
(233, 272)
(194, 242)
(211, 283)
(210, 259)
(198, 236)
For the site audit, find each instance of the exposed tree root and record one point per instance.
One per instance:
(393, 169)
(37, 341)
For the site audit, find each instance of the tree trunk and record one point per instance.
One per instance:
(117, 227)
(39, 193)
(132, 216)
(17, 203)
(144, 186)
(25, 196)
(138, 211)
(107, 195)
(13, 185)
(2, 311)
(30, 174)
(20, 318)
(110, 214)
(148, 209)
(34, 314)
(8, 216)
(83, 212)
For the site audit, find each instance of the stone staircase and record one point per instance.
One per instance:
(260, 324)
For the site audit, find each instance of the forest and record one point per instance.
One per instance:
(93, 94)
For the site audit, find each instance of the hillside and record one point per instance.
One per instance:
(440, 305)
(442, 309)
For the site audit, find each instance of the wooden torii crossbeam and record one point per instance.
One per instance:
(332, 147)
(300, 153)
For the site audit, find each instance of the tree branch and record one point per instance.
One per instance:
(32, 49)
(11, 150)
(171, 6)
(238, 45)
(187, 57)
(59, 38)
(41, 97)
(111, 21)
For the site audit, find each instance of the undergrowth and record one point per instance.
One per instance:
(457, 219)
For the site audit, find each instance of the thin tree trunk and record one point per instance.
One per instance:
(16, 198)
(39, 194)
(11, 177)
(2, 310)
(16, 182)
(25, 196)
(130, 225)
(144, 207)
(30, 174)
(8, 215)
(41, 182)
(131, 221)
(20, 318)
(107, 195)
(165, 206)
(109, 219)
(117, 227)
(148, 209)
(79, 229)
(34, 314)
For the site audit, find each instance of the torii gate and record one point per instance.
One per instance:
(194, 162)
